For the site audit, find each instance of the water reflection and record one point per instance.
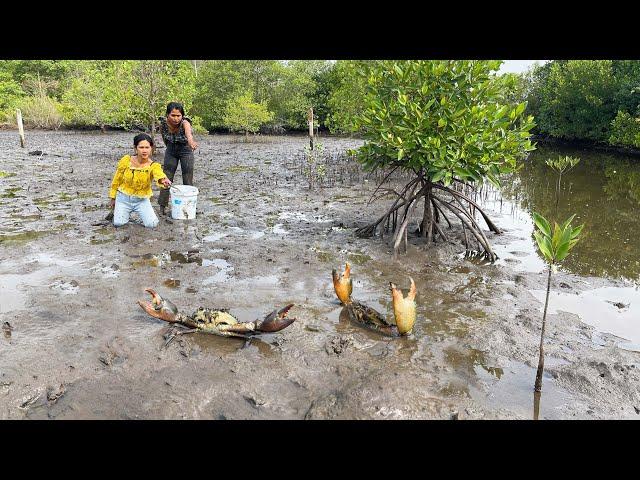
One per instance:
(603, 190)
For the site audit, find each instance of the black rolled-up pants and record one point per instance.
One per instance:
(174, 154)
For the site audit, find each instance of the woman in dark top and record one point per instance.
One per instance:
(177, 135)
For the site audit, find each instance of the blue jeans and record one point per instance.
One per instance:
(126, 204)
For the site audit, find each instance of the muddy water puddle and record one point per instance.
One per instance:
(14, 288)
(612, 310)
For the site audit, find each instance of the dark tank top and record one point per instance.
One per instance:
(168, 137)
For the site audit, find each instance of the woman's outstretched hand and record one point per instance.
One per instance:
(166, 182)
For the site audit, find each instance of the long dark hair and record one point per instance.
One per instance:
(175, 106)
(140, 137)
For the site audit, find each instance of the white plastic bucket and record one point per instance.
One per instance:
(183, 201)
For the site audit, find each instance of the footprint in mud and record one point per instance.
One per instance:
(254, 399)
(7, 329)
(190, 256)
(114, 353)
(54, 393)
(620, 305)
(148, 260)
(338, 345)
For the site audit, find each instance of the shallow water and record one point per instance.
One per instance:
(603, 190)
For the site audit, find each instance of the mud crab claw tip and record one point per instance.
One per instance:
(284, 311)
(156, 298)
(276, 320)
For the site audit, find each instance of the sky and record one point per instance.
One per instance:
(518, 66)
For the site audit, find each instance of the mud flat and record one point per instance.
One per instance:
(76, 346)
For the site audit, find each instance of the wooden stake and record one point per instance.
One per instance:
(311, 127)
(20, 127)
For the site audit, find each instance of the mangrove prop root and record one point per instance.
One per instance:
(397, 220)
(475, 232)
(490, 224)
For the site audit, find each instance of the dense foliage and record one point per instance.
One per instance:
(448, 119)
(593, 100)
(132, 94)
(440, 121)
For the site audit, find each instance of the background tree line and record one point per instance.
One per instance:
(590, 100)
(219, 95)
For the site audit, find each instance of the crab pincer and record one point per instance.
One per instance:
(159, 307)
(276, 320)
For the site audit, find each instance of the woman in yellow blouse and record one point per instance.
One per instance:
(131, 185)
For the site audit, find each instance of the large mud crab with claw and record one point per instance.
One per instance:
(218, 322)
(404, 308)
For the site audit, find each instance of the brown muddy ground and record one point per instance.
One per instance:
(79, 347)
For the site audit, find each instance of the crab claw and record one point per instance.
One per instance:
(159, 307)
(404, 308)
(343, 284)
(275, 321)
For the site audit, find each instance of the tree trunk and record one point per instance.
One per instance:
(536, 405)
(427, 216)
(538, 386)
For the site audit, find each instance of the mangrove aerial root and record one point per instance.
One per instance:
(398, 217)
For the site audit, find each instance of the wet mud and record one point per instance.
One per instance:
(75, 344)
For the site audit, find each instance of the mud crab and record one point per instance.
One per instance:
(218, 322)
(404, 308)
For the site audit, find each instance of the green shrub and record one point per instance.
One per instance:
(41, 112)
(245, 115)
(625, 130)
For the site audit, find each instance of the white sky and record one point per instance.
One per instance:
(518, 66)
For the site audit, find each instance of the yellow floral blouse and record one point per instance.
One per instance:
(135, 181)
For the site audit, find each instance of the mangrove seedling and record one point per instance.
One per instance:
(562, 165)
(555, 246)
(315, 168)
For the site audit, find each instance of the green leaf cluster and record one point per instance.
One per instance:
(446, 118)
(346, 100)
(243, 114)
(10, 94)
(562, 164)
(625, 130)
(555, 245)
